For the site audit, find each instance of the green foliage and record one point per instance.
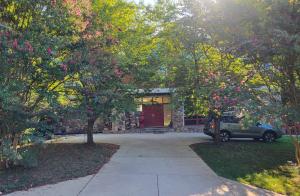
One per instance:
(11, 157)
(33, 39)
(8, 156)
(244, 51)
(89, 56)
(29, 157)
(59, 56)
(265, 34)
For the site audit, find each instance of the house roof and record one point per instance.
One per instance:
(156, 91)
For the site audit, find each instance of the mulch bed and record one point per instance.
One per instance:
(56, 163)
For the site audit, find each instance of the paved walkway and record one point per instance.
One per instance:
(149, 165)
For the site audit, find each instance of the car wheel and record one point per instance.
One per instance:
(224, 136)
(269, 137)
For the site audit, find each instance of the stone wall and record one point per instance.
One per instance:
(193, 128)
(178, 118)
(77, 125)
(70, 126)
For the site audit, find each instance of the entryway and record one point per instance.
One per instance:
(153, 115)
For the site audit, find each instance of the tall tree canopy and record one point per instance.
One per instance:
(83, 55)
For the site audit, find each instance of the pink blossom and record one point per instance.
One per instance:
(86, 23)
(15, 44)
(211, 75)
(28, 46)
(98, 33)
(238, 89)
(64, 67)
(118, 72)
(216, 97)
(78, 11)
(233, 102)
(49, 51)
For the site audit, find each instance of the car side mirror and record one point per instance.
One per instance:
(258, 124)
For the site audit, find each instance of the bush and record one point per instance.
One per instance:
(8, 155)
(24, 155)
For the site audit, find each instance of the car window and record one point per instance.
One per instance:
(230, 119)
(235, 119)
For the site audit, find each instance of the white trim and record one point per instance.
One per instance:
(156, 91)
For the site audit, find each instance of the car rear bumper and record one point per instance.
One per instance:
(208, 132)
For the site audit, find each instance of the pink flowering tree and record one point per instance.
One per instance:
(34, 38)
(268, 40)
(99, 88)
(207, 77)
(218, 85)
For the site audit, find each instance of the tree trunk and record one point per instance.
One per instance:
(298, 153)
(217, 138)
(297, 148)
(90, 127)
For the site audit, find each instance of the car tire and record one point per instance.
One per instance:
(224, 136)
(269, 137)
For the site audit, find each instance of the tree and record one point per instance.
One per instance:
(31, 67)
(205, 74)
(266, 35)
(102, 86)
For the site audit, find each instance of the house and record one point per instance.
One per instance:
(155, 110)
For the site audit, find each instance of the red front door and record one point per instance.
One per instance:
(153, 115)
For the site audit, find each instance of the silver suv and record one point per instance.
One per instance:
(231, 127)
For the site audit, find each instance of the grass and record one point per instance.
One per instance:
(56, 163)
(253, 162)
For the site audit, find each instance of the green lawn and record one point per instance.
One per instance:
(57, 162)
(256, 163)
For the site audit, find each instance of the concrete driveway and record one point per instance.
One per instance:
(149, 165)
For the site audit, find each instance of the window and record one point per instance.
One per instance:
(230, 119)
(155, 99)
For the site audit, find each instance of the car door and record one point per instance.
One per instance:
(231, 124)
(254, 131)
(250, 131)
(236, 127)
